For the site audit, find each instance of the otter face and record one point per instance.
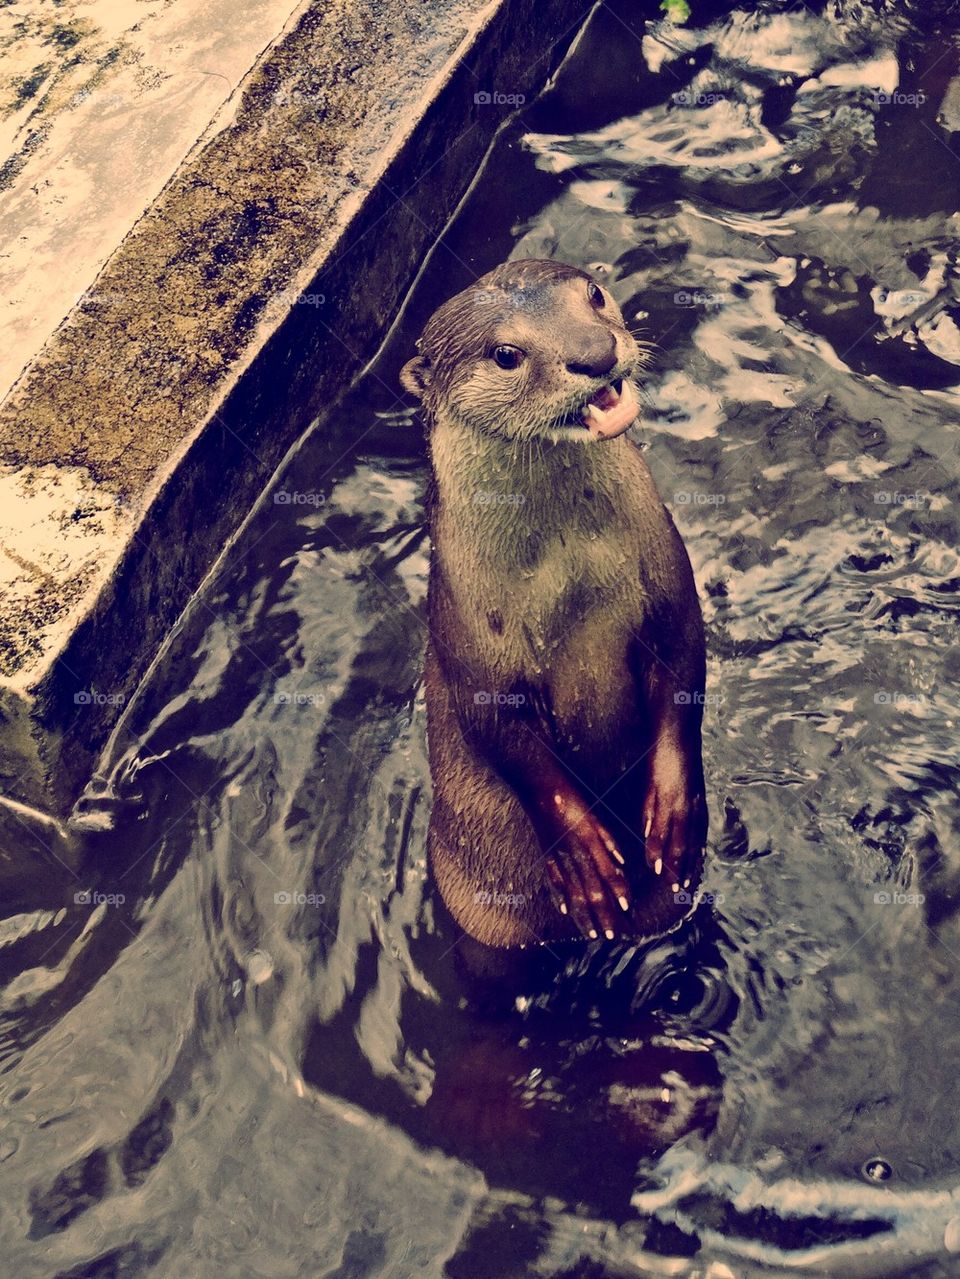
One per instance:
(535, 350)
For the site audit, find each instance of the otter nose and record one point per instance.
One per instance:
(598, 359)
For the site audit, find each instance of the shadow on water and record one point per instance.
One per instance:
(238, 1041)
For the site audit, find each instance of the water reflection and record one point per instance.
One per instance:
(266, 1059)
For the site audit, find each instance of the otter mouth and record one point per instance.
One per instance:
(607, 413)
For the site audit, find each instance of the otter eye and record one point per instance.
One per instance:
(508, 357)
(595, 296)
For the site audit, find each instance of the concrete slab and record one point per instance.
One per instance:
(100, 101)
(228, 316)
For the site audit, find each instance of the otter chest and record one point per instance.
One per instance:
(535, 600)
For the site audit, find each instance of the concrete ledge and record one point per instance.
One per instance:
(99, 104)
(150, 422)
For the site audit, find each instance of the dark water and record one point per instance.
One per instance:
(262, 1061)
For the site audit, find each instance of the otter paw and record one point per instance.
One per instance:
(674, 830)
(585, 876)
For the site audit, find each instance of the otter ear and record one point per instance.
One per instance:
(415, 376)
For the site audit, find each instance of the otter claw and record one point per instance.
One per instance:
(674, 819)
(583, 866)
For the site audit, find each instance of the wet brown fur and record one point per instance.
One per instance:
(559, 584)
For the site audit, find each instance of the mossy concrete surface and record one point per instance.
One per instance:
(100, 102)
(237, 305)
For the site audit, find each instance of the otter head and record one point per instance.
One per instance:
(535, 350)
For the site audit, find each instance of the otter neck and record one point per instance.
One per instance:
(486, 479)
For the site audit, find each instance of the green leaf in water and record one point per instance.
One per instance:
(676, 10)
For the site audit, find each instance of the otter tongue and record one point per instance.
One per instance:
(609, 414)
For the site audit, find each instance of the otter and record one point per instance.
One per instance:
(565, 665)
